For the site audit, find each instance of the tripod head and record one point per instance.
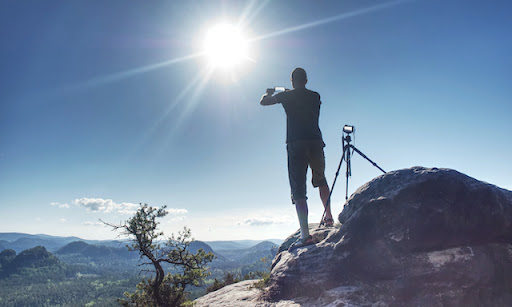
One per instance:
(347, 131)
(347, 138)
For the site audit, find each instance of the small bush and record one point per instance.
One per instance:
(263, 282)
(228, 280)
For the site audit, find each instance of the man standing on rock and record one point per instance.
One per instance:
(304, 145)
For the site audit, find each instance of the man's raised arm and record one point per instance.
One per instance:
(268, 99)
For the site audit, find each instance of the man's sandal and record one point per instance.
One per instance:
(328, 222)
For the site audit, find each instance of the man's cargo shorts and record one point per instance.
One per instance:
(302, 154)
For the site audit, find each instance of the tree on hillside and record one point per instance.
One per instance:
(162, 289)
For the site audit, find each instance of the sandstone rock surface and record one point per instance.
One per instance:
(241, 294)
(412, 237)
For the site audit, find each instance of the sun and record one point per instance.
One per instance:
(225, 46)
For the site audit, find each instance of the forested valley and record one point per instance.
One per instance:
(86, 273)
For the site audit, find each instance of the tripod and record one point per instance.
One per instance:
(347, 156)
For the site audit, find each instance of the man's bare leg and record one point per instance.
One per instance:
(324, 195)
(301, 206)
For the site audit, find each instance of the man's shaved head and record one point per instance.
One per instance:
(299, 75)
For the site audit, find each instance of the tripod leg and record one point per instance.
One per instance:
(364, 156)
(349, 171)
(328, 204)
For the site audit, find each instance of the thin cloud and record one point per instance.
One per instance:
(105, 205)
(108, 206)
(126, 208)
(175, 211)
(59, 205)
(176, 215)
(89, 223)
(261, 222)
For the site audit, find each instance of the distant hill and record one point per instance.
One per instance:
(13, 236)
(256, 252)
(33, 258)
(238, 244)
(109, 243)
(83, 252)
(21, 241)
(265, 245)
(76, 247)
(223, 245)
(196, 245)
(6, 257)
(247, 259)
(95, 252)
(22, 244)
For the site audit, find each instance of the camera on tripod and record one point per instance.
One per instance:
(348, 151)
(349, 129)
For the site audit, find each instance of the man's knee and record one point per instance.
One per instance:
(319, 182)
(298, 197)
(301, 203)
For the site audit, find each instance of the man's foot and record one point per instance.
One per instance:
(328, 222)
(301, 243)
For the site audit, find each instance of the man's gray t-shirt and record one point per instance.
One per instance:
(302, 108)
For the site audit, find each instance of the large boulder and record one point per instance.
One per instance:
(413, 237)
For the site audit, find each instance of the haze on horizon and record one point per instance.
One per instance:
(105, 106)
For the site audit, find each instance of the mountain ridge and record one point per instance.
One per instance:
(21, 241)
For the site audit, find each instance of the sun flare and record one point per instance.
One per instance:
(225, 46)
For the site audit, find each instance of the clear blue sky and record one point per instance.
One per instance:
(90, 124)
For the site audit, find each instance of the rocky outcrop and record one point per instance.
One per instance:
(413, 237)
